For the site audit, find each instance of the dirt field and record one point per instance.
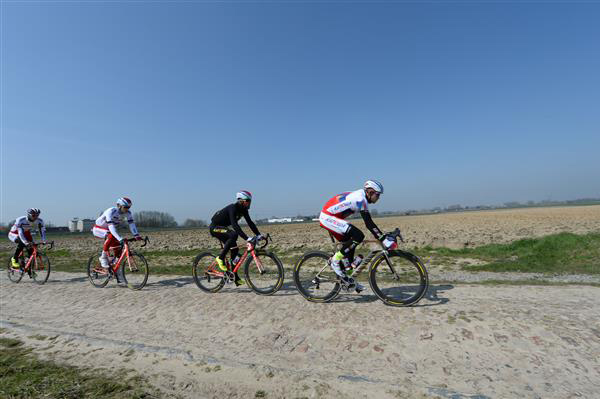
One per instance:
(461, 341)
(453, 230)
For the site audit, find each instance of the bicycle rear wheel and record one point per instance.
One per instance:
(402, 282)
(315, 279)
(269, 279)
(135, 271)
(14, 275)
(40, 269)
(96, 273)
(206, 274)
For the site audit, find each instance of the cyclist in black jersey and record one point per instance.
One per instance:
(224, 226)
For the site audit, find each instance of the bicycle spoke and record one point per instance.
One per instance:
(315, 279)
(400, 283)
(135, 271)
(40, 269)
(264, 274)
(205, 273)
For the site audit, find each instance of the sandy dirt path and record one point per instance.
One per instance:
(461, 341)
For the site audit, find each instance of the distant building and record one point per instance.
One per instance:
(81, 225)
(73, 225)
(280, 220)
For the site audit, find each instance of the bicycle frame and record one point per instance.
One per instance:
(249, 249)
(34, 255)
(367, 258)
(125, 253)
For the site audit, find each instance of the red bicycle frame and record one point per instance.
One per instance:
(214, 270)
(33, 256)
(124, 254)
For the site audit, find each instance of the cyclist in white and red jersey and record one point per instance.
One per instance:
(106, 227)
(20, 233)
(332, 219)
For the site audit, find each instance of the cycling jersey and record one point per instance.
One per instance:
(22, 229)
(108, 222)
(230, 215)
(343, 205)
(340, 207)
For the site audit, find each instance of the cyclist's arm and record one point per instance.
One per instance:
(234, 223)
(132, 226)
(42, 228)
(366, 215)
(113, 230)
(21, 232)
(251, 223)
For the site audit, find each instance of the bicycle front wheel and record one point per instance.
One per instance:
(96, 273)
(399, 280)
(315, 279)
(206, 274)
(14, 275)
(135, 271)
(40, 269)
(264, 274)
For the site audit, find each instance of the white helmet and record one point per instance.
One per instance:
(375, 185)
(244, 195)
(124, 201)
(31, 212)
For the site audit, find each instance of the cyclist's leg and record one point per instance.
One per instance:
(352, 239)
(339, 229)
(223, 235)
(102, 233)
(14, 261)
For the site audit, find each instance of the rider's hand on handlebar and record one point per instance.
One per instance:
(122, 242)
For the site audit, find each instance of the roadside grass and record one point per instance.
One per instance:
(23, 375)
(563, 253)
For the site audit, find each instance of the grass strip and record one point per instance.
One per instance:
(23, 375)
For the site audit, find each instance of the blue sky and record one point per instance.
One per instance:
(179, 105)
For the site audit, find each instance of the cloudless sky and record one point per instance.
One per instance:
(178, 105)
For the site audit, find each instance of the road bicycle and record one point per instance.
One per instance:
(132, 266)
(263, 271)
(37, 266)
(397, 277)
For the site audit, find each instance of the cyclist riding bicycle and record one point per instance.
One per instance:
(106, 227)
(20, 233)
(332, 218)
(224, 226)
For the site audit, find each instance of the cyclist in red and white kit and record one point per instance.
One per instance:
(332, 219)
(20, 233)
(106, 227)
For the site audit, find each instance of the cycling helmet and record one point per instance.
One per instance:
(33, 212)
(124, 201)
(244, 195)
(375, 185)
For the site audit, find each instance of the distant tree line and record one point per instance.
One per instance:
(194, 223)
(154, 219)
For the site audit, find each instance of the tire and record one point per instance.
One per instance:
(315, 279)
(134, 270)
(270, 280)
(14, 275)
(204, 271)
(409, 284)
(40, 269)
(97, 279)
